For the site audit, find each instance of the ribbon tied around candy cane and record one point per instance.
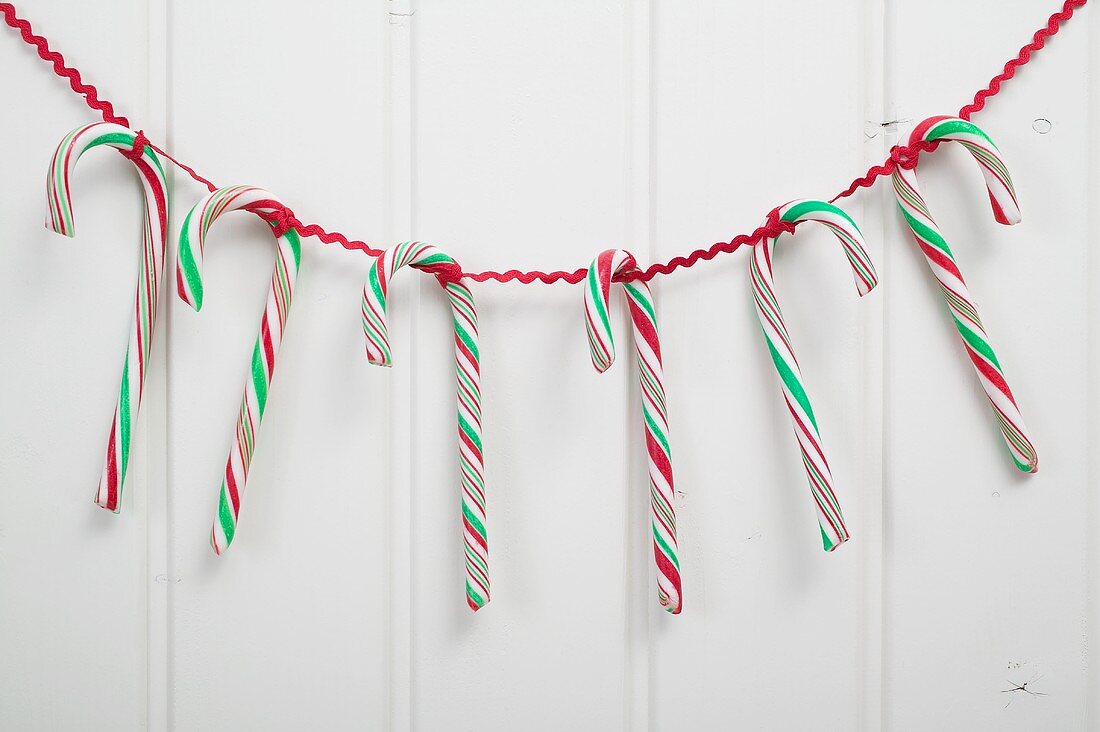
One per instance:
(154, 235)
(647, 342)
(941, 260)
(468, 387)
(830, 519)
(190, 286)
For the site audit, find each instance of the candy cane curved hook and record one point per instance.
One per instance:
(647, 341)
(941, 260)
(830, 519)
(153, 240)
(190, 287)
(468, 388)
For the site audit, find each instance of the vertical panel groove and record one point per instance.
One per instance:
(875, 688)
(403, 302)
(1091, 711)
(877, 208)
(638, 228)
(159, 576)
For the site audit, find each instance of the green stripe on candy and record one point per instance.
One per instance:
(797, 211)
(790, 379)
(470, 432)
(187, 262)
(259, 376)
(124, 423)
(926, 233)
(225, 514)
(976, 342)
(597, 299)
(956, 126)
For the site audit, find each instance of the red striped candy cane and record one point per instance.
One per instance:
(190, 286)
(941, 260)
(468, 387)
(144, 314)
(647, 342)
(829, 517)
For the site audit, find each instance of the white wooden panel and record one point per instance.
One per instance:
(72, 585)
(287, 630)
(519, 155)
(984, 565)
(765, 608)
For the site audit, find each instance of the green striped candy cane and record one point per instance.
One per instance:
(834, 532)
(941, 260)
(468, 387)
(154, 235)
(647, 342)
(190, 286)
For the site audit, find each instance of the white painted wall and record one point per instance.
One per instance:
(534, 135)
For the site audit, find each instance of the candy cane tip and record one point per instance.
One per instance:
(57, 229)
(1030, 467)
(195, 301)
(107, 505)
(476, 604)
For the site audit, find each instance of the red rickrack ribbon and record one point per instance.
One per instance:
(282, 219)
(138, 148)
(904, 156)
(444, 272)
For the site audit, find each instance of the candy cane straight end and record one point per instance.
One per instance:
(475, 601)
(58, 229)
(831, 544)
(109, 494)
(375, 360)
(113, 507)
(223, 528)
(1029, 462)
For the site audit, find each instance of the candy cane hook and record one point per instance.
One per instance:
(190, 286)
(820, 477)
(468, 377)
(647, 342)
(153, 239)
(942, 262)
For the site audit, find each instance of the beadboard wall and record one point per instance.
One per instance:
(533, 135)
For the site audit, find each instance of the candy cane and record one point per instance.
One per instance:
(468, 373)
(153, 238)
(829, 516)
(647, 342)
(190, 286)
(942, 262)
